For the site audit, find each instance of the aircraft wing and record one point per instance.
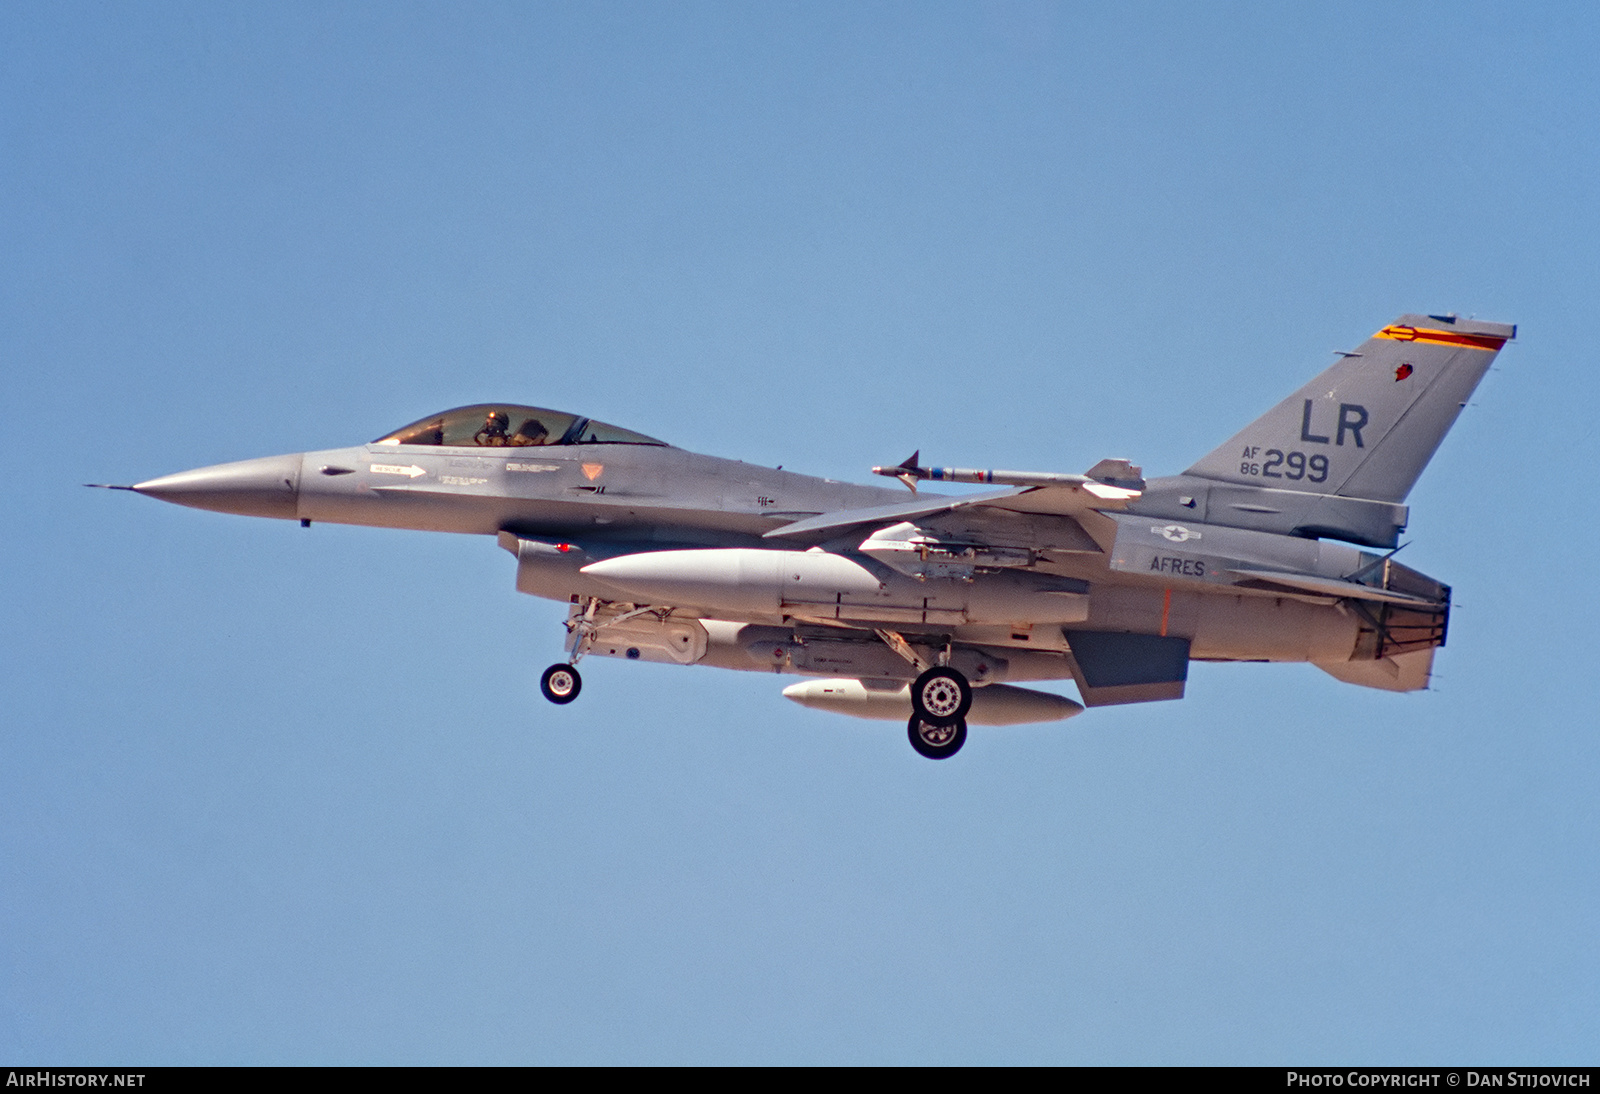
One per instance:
(1067, 499)
(1056, 499)
(825, 524)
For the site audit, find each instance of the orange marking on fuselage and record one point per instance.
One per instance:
(1166, 610)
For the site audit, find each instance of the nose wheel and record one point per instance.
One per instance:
(937, 741)
(941, 696)
(561, 684)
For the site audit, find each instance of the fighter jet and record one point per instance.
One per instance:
(1277, 546)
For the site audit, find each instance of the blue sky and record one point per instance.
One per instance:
(290, 796)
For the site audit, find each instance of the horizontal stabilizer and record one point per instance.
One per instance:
(1396, 672)
(1331, 586)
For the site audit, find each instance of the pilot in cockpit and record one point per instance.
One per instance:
(530, 432)
(493, 433)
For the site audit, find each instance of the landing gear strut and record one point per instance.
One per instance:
(937, 742)
(941, 696)
(561, 683)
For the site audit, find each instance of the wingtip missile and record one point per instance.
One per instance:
(1118, 473)
(906, 471)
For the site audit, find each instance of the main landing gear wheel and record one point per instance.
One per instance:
(941, 696)
(561, 683)
(937, 742)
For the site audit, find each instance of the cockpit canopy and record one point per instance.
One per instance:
(506, 425)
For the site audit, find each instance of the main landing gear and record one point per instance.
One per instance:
(934, 740)
(561, 683)
(940, 699)
(941, 696)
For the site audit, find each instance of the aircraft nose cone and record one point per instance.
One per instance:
(268, 487)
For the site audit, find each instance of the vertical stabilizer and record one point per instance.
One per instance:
(1369, 424)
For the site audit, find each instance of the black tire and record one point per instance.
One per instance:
(941, 696)
(561, 684)
(937, 742)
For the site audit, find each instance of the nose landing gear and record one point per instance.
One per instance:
(561, 683)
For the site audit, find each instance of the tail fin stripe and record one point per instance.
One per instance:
(1441, 337)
